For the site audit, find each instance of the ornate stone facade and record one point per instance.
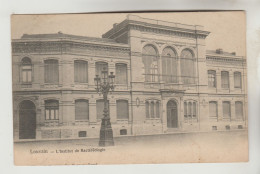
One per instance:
(154, 105)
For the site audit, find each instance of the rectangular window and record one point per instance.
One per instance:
(224, 79)
(239, 110)
(237, 79)
(100, 108)
(213, 111)
(121, 73)
(212, 78)
(122, 109)
(226, 110)
(100, 66)
(81, 110)
(51, 109)
(27, 73)
(51, 71)
(80, 71)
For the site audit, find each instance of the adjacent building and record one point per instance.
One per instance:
(166, 81)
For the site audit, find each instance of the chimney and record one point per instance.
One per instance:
(233, 53)
(219, 51)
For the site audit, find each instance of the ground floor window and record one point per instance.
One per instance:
(190, 111)
(226, 110)
(51, 109)
(213, 110)
(81, 109)
(122, 109)
(152, 108)
(239, 110)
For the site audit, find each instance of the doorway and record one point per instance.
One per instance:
(172, 114)
(27, 120)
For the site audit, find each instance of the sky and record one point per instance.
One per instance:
(227, 29)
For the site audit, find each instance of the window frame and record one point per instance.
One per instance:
(87, 115)
(116, 74)
(151, 111)
(26, 62)
(47, 79)
(213, 73)
(223, 85)
(240, 80)
(118, 108)
(77, 74)
(51, 109)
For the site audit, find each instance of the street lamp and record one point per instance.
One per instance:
(104, 84)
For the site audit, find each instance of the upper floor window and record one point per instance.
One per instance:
(152, 108)
(237, 79)
(239, 110)
(224, 79)
(81, 109)
(213, 110)
(122, 109)
(121, 73)
(212, 78)
(226, 110)
(150, 61)
(190, 111)
(187, 67)
(101, 66)
(169, 65)
(51, 71)
(81, 71)
(26, 70)
(100, 108)
(51, 109)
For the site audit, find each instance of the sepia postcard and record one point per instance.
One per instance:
(129, 88)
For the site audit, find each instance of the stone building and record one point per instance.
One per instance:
(166, 82)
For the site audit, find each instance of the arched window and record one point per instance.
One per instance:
(122, 109)
(26, 70)
(100, 108)
(239, 110)
(187, 67)
(212, 78)
(121, 73)
(169, 65)
(80, 71)
(81, 109)
(100, 66)
(213, 110)
(237, 80)
(150, 61)
(226, 110)
(224, 79)
(51, 71)
(51, 109)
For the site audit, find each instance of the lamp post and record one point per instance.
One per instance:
(103, 86)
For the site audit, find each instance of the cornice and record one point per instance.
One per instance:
(155, 28)
(65, 46)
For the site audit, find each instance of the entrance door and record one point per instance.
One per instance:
(172, 114)
(27, 120)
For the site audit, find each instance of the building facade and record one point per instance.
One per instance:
(166, 81)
